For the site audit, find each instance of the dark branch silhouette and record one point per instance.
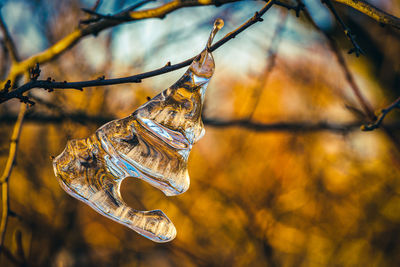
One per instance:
(381, 115)
(50, 85)
(295, 126)
(356, 48)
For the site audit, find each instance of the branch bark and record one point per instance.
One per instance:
(7, 173)
(372, 11)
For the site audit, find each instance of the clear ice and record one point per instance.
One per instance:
(152, 144)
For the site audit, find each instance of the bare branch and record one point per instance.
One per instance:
(299, 126)
(13, 146)
(366, 106)
(356, 48)
(51, 85)
(71, 39)
(98, 17)
(372, 11)
(159, 12)
(7, 172)
(284, 126)
(381, 115)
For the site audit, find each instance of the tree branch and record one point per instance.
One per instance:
(71, 39)
(372, 11)
(161, 11)
(99, 17)
(356, 48)
(381, 115)
(284, 126)
(51, 85)
(7, 172)
(366, 106)
(248, 124)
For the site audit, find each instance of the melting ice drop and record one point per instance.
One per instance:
(152, 144)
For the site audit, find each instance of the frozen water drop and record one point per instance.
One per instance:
(152, 144)
(218, 24)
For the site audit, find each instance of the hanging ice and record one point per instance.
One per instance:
(152, 144)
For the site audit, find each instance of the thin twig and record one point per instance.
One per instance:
(366, 106)
(381, 115)
(94, 8)
(51, 85)
(356, 48)
(7, 172)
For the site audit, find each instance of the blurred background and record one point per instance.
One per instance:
(295, 183)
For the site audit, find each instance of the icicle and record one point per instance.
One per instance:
(152, 144)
